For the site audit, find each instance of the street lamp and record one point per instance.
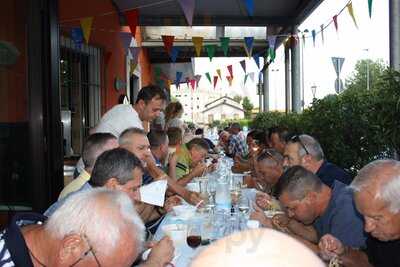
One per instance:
(313, 90)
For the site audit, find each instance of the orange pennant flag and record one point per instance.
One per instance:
(86, 25)
(219, 74)
(351, 12)
(198, 44)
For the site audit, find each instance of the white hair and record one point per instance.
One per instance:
(387, 175)
(313, 147)
(102, 215)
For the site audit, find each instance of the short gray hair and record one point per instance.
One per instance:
(125, 137)
(313, 147)
(102, 215)
(377, 171)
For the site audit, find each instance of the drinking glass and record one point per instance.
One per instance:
(193, 238)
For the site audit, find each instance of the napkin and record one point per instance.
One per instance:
(154, 193)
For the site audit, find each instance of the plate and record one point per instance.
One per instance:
(272, 213)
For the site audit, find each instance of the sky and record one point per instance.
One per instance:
(370, 40)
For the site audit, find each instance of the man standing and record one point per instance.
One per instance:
(305, 151)
(377, 198)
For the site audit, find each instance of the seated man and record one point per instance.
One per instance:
(236, 144)
(92, 228)
(94, 146)
(257, 248)
(305, 151)
(277, 137)
(318, 209)
(376, 189)
(200, 133)
(269, 168)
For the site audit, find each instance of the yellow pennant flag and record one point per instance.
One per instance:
(219, 73)
(133, 66)
(351, 12)
(169, 82)
(198, 44)
(86, 25)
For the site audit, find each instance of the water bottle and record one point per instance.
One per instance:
(223, 195)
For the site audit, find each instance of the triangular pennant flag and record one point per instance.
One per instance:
(245, 78)
(335, 22)
(370, 8)
(133, 65)
(272, 41)
(248, 45)
(193, 83)
(208, 77)
(230, 79)
(230, 70)
(188, 9)
(313, 34)
(157, 73)
(169, 82)
(86, 25)
(256, 58)
(187, 82)
(215, 81)
(225, 44)
(351, 12)
(77, 36)
(249, 6)
(219, 74)
(198, 43)
(322, 33)
(197, 78)
(168, 41)
(243, 64)
(126, 39)
(178, 78)
(135, 51)
(251, 75)
(271, 54)
(174, 53)
(107, 57)
(210, 51)
(132, 18)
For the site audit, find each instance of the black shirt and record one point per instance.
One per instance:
(329, 172)
(383, 254)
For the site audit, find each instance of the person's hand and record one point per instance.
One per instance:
(281, 222)
(199, 169)
(263, 200)
(173, 159)
(172, 202)
(330, 247)
(161, 253)
(212, 167)
(259, 215)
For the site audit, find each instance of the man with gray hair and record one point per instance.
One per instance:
(99, 227)
(377, 198)
(305, 151)
(318, 209)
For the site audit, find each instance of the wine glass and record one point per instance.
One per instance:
(211, 189)
(244, 205)
(193, 238)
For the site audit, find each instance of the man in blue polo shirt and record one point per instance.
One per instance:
(318, 209)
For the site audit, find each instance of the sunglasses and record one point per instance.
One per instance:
(296, 139)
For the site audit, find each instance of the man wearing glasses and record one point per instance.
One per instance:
(305, 151)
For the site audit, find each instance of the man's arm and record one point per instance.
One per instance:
(306, 232)
(197, 171)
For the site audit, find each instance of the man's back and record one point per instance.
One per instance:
(329, 172)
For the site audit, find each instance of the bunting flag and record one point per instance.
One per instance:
(256, 58)
(77, 36)
(168, 41)
(272, 41)
(135, 51)
(174, 53)
(132, 17)
(208, 77)
(245, 79)
(168, 84)
(219, 74)
(351, 13)
(249, 6)
(86, 25)
(188, 9)
(322, 33)
(225, 44)
(313, 34)
(370, 8)
(192, 83)
(215, 81)
(198, 43)
(126, 39)
(157, 74)
(243, 64)
(230, 79)
(248, 45)
(178, 78)
(230, 70)
(197, 78)
(251, 75)
(272, 54)
(133, 64)
(107, 57)
(335, 22)
(210, 51)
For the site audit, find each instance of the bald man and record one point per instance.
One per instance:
(257, 248)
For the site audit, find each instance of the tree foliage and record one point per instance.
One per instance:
(247, 106)
(238, 98)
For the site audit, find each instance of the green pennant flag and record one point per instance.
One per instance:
(245, 78)
(272, 54)
(225, 44)
(370, 8)
(210, 51)
(208, 77)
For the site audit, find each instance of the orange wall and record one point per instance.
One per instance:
(105, 34)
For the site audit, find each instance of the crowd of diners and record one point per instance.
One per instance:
(100, 219)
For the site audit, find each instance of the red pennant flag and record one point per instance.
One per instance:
(335, 22)
(107, 58)
(192, 83)
(230, 70)
(215, 81)
(229, 78)
(168, 42)
(132, 17)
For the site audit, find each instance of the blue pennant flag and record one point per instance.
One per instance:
(174, 53)
(249, 6)
(256, 58)
(178, 78)
(77, 36)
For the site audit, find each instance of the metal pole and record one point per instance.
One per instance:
(296, 79)
(266, 89)
(394, 29)
(259, 88)
(287, 79)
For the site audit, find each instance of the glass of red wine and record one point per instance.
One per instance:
(193, 238)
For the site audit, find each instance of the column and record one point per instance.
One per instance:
(296, 81)
(394, 28)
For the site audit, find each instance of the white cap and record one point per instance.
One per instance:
(253, 224)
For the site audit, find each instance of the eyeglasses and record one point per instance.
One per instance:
(296, 139)
(90, 250)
